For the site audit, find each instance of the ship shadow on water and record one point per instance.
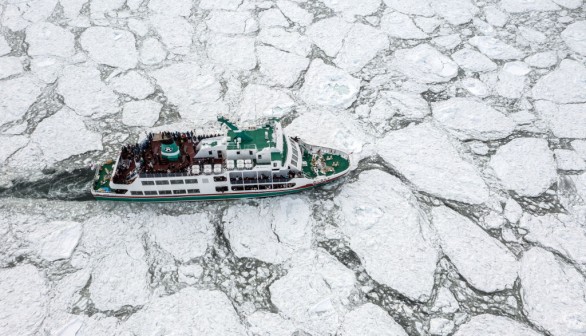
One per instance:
(71, 185)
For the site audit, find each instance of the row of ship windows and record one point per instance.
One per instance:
(165, 192)
(186, 181)
(218, 189)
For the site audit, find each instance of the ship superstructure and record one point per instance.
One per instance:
(252, 162)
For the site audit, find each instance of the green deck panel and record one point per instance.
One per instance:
(102, 181)
(257, 137)
(276, 156)
(343, 164)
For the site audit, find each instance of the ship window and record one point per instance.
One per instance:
(220, 179)
(191, 181)
(249, 152)
(162, 182)
(210, 152)
(164, 192)
(221, 189)
(259, 157)
(136, 192)
(150, 192)
(237, 188)
(176, 181)
(274, 164)
(178, 192)
(193, 191)
(237, 152)
(148, 182)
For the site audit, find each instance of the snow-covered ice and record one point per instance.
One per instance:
(329, 86)
(553, 293)
(189, 311)
(575, 37)
(370, 320)
(84, 92)
(425, 64)
(469, 119)
(490, 325)
(426, 157)
(525, 165)
(133, 84)
(390, 234)
(60, 243)
(282, 67)
(141, 113)
(495, 48)
(564, 120)
(482, 260)
(474, 61)
(564, 85)
(110, 46)
(232, 52)
(49, 39)
(400, 25)
(17, 95)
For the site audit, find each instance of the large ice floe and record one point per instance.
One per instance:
(425, 156)
(482, 260)
(463, 214)
(525, 165)
(389, 232)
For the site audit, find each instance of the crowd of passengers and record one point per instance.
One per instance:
(139, 157)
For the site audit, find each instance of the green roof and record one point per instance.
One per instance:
(275, 156)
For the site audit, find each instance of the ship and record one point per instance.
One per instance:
(233, 163)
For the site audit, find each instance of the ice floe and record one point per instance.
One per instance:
(351, 8)
(563, 85)
(474, 61)
(456, 12)
(48, 39)
(567, 159)
(575, 37)
(23, 300)
(271, 18)
(544, 59)
(425, 64)
(361, 44)
(445, 302)
(260, 101)
(141, 113)
(269, 324)
(282, 67)
(559, 232)
(328, 34)
(313, 292)
(553, 293)
(489, 325)
(133, 84)
(288, 41)
(231, 22)
(416, 7)
(4, 46)
(10, 66)
(295, 13)
(329, 86)
(426, 157)
(525, 166)
(409, 105)
(198, 311)
(61, 241)
(486, 263)
(185, 84)
(283, 229)
(175, 31)
(109, 46)
(399, 25)
(120, 277)
(220, 4)
(232, 52)
(565, 120)
(468, 119)
(17, 95)
(520, 6)
(370, 320)
(84, 92)
(185, 237)
(58, 137)
(152, 52)
(390, 234)
(495, 49)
